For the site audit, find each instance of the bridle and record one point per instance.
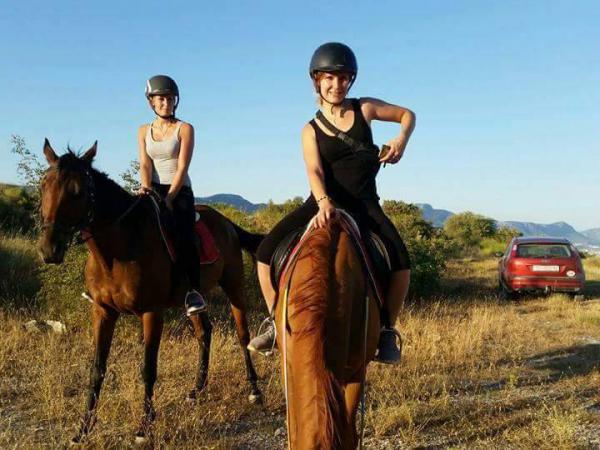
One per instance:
(83, 226)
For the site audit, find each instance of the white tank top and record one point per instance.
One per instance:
(164, 155)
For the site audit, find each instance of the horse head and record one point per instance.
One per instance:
(67, 196)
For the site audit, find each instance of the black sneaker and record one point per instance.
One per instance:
(194, 303)
(388, 352)
(264, 343)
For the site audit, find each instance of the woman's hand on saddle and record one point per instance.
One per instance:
(397, 146)
(327, 213)
(144, 190)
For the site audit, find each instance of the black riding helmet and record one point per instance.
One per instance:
(162, 85)
(333, 57)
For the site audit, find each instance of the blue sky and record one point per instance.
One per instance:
(506, 93)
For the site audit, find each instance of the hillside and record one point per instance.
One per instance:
(237, 201)
(593, 234)
(558, 229)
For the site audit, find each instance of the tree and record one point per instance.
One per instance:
(130, 177)
(427, 246)
(29, 168)
(469, 229)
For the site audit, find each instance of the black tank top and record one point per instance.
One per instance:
(349, 175)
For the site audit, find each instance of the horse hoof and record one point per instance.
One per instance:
(193, 395)
(77, 440)
(255, 399)
(141, 440)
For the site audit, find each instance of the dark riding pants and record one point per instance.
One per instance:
(185, 221)
(367, 213)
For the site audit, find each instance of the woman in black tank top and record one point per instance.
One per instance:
(339, 176)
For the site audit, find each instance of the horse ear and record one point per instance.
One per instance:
(89, 156)
(49, 153)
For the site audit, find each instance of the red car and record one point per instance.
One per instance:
(540, 264)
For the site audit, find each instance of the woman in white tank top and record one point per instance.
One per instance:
(165, 150)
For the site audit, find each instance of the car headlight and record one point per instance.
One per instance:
(570, 273)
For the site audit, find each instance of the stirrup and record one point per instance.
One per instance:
(397, 343)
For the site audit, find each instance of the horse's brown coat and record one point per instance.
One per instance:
(129, 271)
(325, 341)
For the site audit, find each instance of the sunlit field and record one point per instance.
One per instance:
(477, 372)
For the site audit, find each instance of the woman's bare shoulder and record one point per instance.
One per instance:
(143, 129)
(308, 130)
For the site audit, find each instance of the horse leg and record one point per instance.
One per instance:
(103, 322)
(203, 332)
(233, 288)
(153, 326)
(352, 396)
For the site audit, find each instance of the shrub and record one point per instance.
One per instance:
(19, 273)
(17, 210)
(468, 230)
(62, 285)
(428, 247)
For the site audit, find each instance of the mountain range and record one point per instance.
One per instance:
(587, 239)
(237, 201)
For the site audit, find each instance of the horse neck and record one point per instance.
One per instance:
(109, 237)
(111, 200)
(319, 311)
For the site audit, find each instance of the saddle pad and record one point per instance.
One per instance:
(377, 273)
(282, 253)
(207, 249)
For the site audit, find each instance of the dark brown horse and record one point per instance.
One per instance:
(323, 312)
(129, 270)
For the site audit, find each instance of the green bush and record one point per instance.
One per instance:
(468, 230)
(17, 210)
(62, 285)
(428, 247)
(497, 243)
(19, 273)
(476, 235)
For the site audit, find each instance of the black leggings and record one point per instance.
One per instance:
(367, 213)
(185, 234)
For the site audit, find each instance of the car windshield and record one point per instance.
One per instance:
(543, 251)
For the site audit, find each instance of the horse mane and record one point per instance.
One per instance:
(310, 305)
(111, 198)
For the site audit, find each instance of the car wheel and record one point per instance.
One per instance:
(505, 294)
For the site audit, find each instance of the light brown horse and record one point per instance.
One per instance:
(321, 327)
(129, 271)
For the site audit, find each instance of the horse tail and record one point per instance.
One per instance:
(248, 241)
(316, 360)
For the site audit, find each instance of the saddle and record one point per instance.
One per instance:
(371, 249)
(208, 252)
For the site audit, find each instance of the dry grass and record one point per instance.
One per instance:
(477, 373)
